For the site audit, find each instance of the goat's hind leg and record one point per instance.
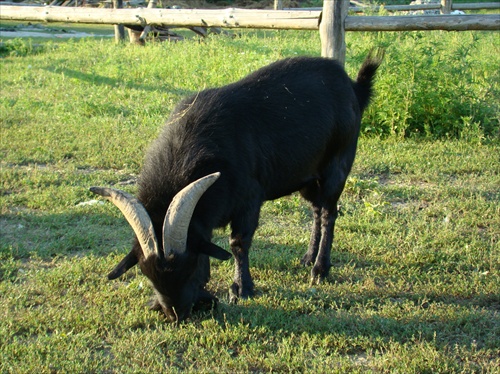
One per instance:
(311, 193)
(324, 197)
(322, 263)
(309, 257)
(330, 190)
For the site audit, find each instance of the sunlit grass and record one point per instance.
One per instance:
(415, 277)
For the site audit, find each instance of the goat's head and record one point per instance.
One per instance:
(177, 271)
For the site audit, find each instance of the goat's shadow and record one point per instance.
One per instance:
(102, 80)
(318, 311)
(81, 232)
(348, 321)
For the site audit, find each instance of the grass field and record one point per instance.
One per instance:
(415, 286)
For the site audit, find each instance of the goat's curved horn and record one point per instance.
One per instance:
(180, 211)
(136, 215)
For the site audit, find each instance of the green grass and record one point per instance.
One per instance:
(416, 276)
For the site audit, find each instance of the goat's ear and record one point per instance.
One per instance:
(213, 250)
(125, 264)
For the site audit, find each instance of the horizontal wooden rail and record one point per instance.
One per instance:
(415, 23)
(475, 6)
(406, 8)
(244, 18)
(231, 18)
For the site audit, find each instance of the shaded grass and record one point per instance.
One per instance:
(414, 286)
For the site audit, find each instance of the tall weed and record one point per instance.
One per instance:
(431, 81)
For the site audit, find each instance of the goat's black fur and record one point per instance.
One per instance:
(290, 126)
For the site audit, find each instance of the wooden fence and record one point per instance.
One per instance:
(332, 21)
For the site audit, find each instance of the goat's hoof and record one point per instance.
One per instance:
(237, 292)
(306, 263)
(205, 303)
(234, 293)
(315, 281)
(155, 305)
(307, 260)
(318, 275)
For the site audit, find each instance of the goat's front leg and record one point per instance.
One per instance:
(243, 229)
(242, 284)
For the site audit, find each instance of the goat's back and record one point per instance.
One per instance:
(268, 133)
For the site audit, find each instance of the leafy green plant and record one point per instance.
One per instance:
(17, 47)
(429, 83)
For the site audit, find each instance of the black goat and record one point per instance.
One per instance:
(290, 126)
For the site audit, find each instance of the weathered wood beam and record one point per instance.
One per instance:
(404, 8)
(230, 18)
(119, 29)
(445, 6)
(332, 29)
(416, 23)
(245, 18)
(475, 6)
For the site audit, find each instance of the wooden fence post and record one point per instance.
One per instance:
(332, 30)
(278, 4)
(139, 37)
(119, 29)
(446, 6)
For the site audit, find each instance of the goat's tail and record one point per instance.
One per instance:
(363, 87)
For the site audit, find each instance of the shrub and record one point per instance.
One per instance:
(432, 81)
